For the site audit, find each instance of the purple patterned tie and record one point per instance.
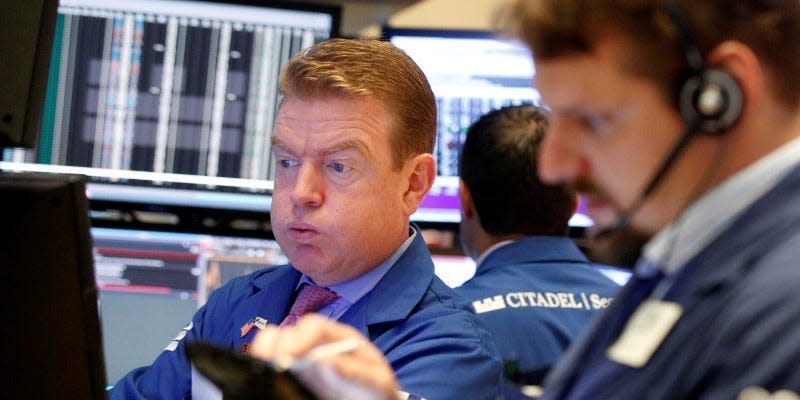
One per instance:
(311, 298)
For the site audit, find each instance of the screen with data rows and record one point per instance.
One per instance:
(172, 94)
(471, 73)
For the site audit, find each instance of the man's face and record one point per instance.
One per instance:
(609, 133)
(337, 207)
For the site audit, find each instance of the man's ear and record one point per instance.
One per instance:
(422, 171)
(743, 65)
(464, 195)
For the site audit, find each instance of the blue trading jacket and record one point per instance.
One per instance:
(535, 296)
(738, 331)
(438, 350)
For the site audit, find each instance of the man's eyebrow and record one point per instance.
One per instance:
(279, 144)
(346, 145)
(338, 147)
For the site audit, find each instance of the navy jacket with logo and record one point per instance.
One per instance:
(535, 296)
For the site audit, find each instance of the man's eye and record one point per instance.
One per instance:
(596, 123)
(287, 163)
(338, 167)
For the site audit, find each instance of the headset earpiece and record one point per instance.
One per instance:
(712, 99)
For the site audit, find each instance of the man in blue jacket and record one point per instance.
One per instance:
(533, 288)
(678, 120)
(352, 144)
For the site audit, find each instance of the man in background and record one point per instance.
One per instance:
(352, 144)
(678, 120)
(531, 280)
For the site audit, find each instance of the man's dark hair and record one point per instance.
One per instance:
(498, 164)
(555, 28)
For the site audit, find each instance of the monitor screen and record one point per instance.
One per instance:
(173, 97)
(157, 280)
(471, 73)
(51, 342)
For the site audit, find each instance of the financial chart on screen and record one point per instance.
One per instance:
(471, 73)
(169, 94)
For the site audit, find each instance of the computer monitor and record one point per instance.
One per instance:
(152, 282)
(471, 73)
(25, 44)
(173, 98)
(51, 341)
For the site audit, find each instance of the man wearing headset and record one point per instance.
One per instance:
(680, 121)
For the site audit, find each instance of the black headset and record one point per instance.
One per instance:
(710, 99)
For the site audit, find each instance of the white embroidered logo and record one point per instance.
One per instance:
(489, 304)
(579, 301)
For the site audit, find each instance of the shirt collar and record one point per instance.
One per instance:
(490, 250)
(354, 289)
(706, 218)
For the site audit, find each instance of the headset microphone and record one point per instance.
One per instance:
(709, 100)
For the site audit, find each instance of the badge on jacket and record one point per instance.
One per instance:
(644, 332)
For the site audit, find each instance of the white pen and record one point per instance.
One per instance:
(317, 353)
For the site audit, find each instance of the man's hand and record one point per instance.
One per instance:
(360, 374)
